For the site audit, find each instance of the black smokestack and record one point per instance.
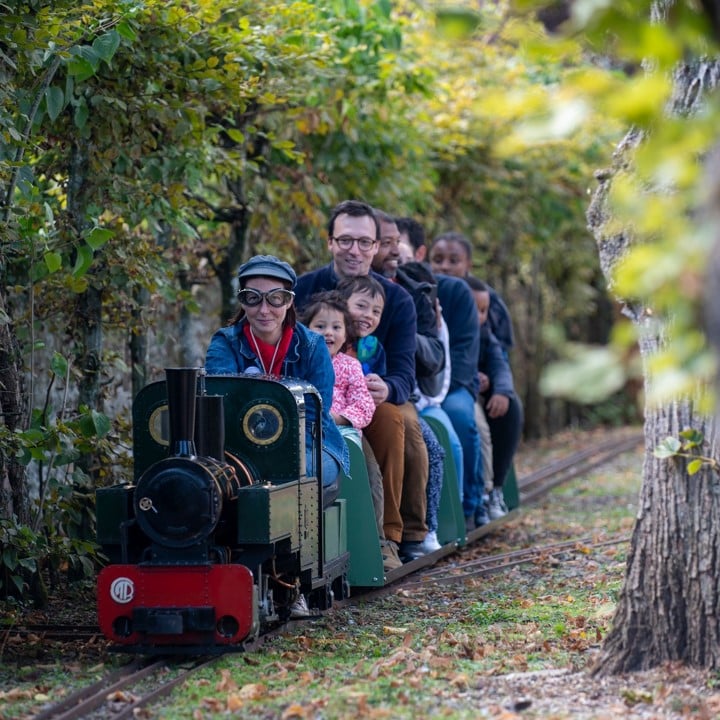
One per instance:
(181, 391)
(210, 427)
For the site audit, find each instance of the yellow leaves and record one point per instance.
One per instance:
(637, 101)
(235, 698)
(652, 40)
(460, 682)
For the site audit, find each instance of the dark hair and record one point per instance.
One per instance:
(290, 316)
(353, 208)
(366, 284)
(476, 285)
(419, 272)
(384, 217)
(455, 237)
(413, 229)
(332, 300)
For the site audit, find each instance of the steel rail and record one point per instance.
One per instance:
(89, 698)
(494, 563)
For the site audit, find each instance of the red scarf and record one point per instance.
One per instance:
(268, 351)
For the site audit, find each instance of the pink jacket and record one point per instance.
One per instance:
(351, 398)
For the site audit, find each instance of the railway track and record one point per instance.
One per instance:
(461, 572)
(140, 683)
(121, 693)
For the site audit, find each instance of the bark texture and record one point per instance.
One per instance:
(669, 606)
(13, 404)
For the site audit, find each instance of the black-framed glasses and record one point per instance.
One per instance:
(277, 297)
(346, 242)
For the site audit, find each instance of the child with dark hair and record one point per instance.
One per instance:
(365, 298)
(328, 315)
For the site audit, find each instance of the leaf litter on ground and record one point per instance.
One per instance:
(516, 644)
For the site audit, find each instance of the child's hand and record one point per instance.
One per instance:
(377, 387)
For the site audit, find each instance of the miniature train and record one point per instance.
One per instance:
(223, 528)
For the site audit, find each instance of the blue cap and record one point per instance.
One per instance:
(267, 266)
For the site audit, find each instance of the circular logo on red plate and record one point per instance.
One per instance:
(122, 590)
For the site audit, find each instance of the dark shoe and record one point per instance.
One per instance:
(481, 515)
(411, 550)
(496, 504)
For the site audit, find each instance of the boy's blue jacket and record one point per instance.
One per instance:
(493, 362)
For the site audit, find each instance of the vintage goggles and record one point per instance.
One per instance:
(278, 297)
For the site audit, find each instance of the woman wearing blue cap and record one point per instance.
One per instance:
(264, 338)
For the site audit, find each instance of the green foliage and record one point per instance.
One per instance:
(64, 508)
(150, 146)
(656, 197)
(28, 557)
(689, 446)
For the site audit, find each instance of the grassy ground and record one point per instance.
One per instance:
(425, 651)
(514, 644)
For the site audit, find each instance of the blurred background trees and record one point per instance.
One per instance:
(149, 146)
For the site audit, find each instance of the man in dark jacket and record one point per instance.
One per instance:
(429, 353)
(353, 240)
(458, 309)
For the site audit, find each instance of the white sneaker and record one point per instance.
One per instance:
(496, 506)
(300, 609)
(430, 543)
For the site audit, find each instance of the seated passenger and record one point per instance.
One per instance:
(263, 338)
(352, 406)
(429, 399)
(451, 254)
(497, 393)
(430, 361)
(365, 298)
(458, 309)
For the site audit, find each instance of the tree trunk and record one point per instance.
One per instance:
(668, 606)
(667, 610)
(87, 325)
(139, 341)
(13, 401)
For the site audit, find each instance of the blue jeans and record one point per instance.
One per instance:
(330, 474)
(434, 411)
(460, 407)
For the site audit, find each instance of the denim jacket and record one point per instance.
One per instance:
(307, 359)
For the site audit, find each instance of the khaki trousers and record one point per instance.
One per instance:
(396, 439)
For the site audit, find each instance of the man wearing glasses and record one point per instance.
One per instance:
(353, 241)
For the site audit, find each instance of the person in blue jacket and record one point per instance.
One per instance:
(458, 309)
(502, 407)
(451, 254)
(264, 338)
